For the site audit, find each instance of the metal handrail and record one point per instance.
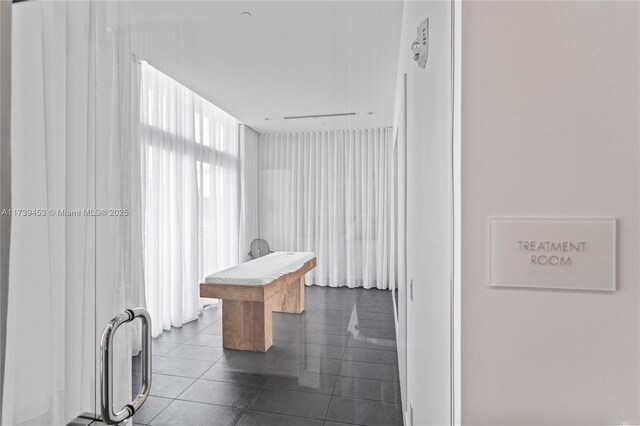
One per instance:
(106, 366)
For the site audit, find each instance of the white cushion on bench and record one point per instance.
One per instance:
(263, 270)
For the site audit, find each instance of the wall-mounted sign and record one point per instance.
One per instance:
(570, 254)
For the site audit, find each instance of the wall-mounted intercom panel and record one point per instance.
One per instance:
(420, 46)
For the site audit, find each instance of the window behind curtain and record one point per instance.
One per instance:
(191, 187)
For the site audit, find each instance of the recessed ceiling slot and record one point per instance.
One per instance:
(295, 117)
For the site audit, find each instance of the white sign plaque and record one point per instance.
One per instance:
(570, 254)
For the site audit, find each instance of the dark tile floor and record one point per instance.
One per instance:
(335, 364)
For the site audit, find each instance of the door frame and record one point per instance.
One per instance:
(456, 150)
(5, 176)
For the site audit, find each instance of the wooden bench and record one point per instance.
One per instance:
(247, 308)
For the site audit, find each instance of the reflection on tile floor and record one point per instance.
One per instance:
(335, 364)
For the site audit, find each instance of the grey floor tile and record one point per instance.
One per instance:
(376, 333)
(183, 413)
(280, 335)
(136, 362)
(341, 330)
(346, 292)
(201, 353)
(310, 307)
(175, 335)
(371, 355)
(379, 301)
(364, 412)
(225, 373)
(287, 349)
(381, 324)
(150, 409)
(337, 303)
(312, 299)
(313, 336)
(301, 404)
(160, 348)
(325, 339)
(288, 337)
(376, 316)
(314, 293)
(162, 385)
(302, 382)
(375, 299)
(220, 393)
(289, 326)
(196, 326)
(266, 366)
(169, 386)
(368, 370)
(336, 320)
(339, 311)
(215, 328)
(256, 418)
(247, 367)
(209, 315)
(328, 423)
(381, 344)
(376, 390)
(374, 292)
(203, 339)
(355, 292)
(307, 364)
(181, 367)
(321, 351)
(286, 322)
(387, 308)
(315, 289)
(212, 307)
(246, 358)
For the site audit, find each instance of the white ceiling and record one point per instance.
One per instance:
(290, 58)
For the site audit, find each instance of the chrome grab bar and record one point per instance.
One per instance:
(106, 366)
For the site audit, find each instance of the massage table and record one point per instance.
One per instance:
(251, 291)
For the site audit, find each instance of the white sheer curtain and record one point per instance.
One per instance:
(249, 205)
(191, 175)
(68, 274)
(330, 192)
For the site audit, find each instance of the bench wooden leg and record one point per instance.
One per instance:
(290, 299)
(246, 326)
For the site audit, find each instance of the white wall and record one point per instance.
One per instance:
(550, 115)
(429, 215)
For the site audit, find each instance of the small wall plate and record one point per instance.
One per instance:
(420, 46)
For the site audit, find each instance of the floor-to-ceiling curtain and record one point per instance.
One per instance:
(249, 205)
(191, 181)
(329, 192)
(70, 269)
